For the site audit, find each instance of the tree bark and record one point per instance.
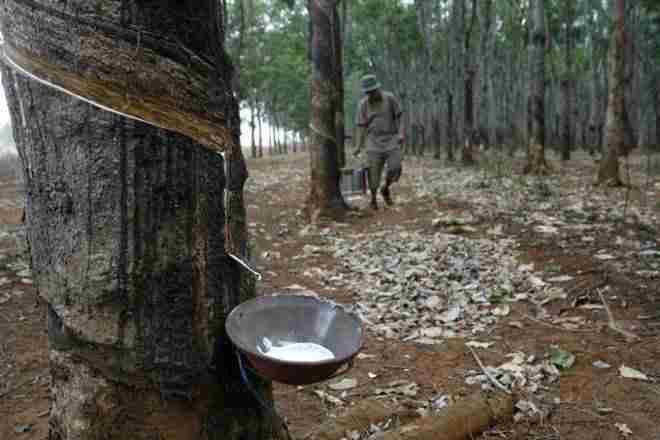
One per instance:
(469, 80)
(567, 83)
(253, 127)
(615, 126)
(337, 36)
(459, 66)
(127, 229)
(657, 109)
(482, 96)
(325, 198)
(633, 72)
(260, 125)
(594, 128)
(451, 129)
(536, 154)
(136, 57)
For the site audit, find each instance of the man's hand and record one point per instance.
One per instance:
(357, 152)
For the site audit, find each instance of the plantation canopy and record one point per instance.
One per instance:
(117, 55)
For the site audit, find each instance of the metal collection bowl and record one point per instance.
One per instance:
(294, 318)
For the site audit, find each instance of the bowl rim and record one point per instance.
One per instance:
(236, 341)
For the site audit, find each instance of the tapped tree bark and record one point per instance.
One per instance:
(567, 84)
(325, 199)
(459, 66)
(536, 154)
(469, 81)
(615, 119)
(451, 128)
(137, 57)
(127, 229)
(261, 138)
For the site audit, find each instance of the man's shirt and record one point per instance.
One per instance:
(380, 119)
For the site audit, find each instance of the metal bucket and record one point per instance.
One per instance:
(294, 318)
(354, 180)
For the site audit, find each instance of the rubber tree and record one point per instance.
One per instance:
(457, 100)
(325, 199)
(125, 216)
(467, 157)
(567, 82)
(614, 139)
(536, 149)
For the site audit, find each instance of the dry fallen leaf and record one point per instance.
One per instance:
(631, 373)
(601, 365)
(344, 384)
(325, 397)
(623, 428)
(475, 344)
(502, 310)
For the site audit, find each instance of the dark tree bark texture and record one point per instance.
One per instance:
(154, 60)
(615, 119)
(325, 198)
(467, 157)
(536, 154)
(567, 83)
(127, 227)
(451, 130)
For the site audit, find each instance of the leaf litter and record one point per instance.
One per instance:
(427, 285)
(424, 287)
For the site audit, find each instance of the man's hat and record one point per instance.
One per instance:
(369, 83)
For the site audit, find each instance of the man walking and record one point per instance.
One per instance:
(379, 124)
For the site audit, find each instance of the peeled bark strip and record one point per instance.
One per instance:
(149, 60)
(464, 420)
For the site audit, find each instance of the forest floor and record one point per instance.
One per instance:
(522, 269)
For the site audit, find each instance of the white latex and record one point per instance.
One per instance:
(298, 352)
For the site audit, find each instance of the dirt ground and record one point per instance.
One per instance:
(592, 401)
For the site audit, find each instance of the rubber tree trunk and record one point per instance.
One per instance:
(615, 127)
(253, 127)
(325, 198)
(261, 133)
(567, 84)
(594, 129)
(482, 89)
(451, 127)
(140, 57)
(126, 226)
(459, 65)
(127, 229)
(337, 37)
(657, 110)
(467, 158)
(536, 154)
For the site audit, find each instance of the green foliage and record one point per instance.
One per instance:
(274, 70)
(384, 37)
(382, 29)
(651, 22)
